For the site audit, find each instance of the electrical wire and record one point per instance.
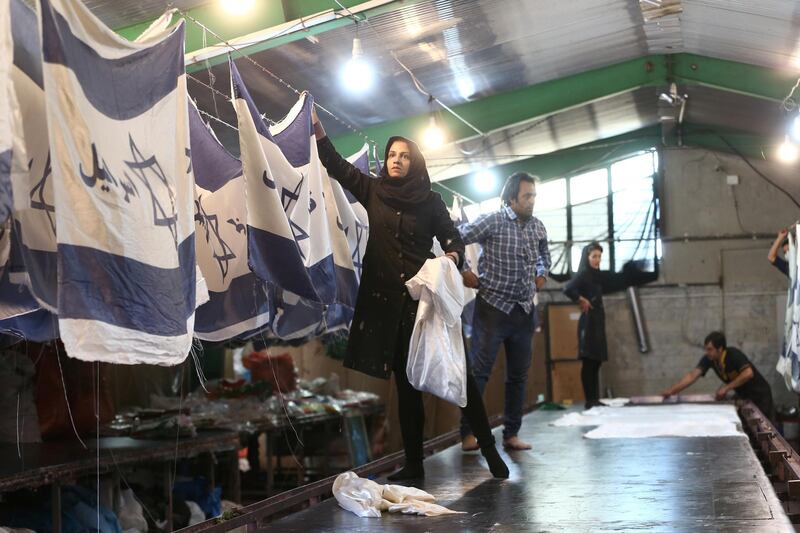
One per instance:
(749, 164)
(417, 84)
(271, 74)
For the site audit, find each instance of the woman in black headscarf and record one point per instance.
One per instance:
(587, 289)
(404, 216)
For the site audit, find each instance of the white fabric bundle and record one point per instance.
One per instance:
(367, 499)
(436, 359)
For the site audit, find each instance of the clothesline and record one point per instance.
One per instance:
(288, 86)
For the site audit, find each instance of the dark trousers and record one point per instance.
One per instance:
(490, 328)
(590, 378)
(409, 399)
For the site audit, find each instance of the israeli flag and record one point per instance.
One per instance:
(8, 115)
(33, 204)
(789, 361)
(237, 298)
(296, 317)
(21, 317)
(287, 224)
(123, 188)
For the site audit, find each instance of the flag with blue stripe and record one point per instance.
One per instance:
(237, 298)
(300, 222)
(123, 188)
(33, 203)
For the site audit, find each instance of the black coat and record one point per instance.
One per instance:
(399, 243)
(592, 284)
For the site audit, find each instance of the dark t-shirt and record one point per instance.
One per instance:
(781, 264)
(728, 368)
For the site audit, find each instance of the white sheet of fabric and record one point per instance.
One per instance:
(436, 360)
(131, 513)
(639, 422)
(615, 402)
(117, 121)
(788, 364)
(368, 499)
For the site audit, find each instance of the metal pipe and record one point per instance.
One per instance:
(638, 320)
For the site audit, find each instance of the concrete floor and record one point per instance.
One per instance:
(568, 483)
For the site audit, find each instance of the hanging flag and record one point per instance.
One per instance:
(302, 233)
(789, 360)
(123, 188)
(237, 298)
(34, 208)
(283, 199)
(9, 117)
(348, 227)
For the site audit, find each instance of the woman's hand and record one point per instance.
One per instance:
(585, 304)
(470, 279)
(319, 131)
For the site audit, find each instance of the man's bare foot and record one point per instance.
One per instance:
(515, 443)
(469, 443)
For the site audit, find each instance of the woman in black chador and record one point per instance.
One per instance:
(404, 217)
(587, 289)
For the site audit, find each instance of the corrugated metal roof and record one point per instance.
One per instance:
(763, 32)
(604, 118)
(465, 50)
(459, 50)
(122, 13)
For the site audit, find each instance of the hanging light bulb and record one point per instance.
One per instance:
(434, 136)
(484, 181)
(357, 75)
(787, 151)
(237, 7)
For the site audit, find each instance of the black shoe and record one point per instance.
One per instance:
(410, 471)
(593, 403)
(497, 466)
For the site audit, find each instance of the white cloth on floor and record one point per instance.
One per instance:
(367, 499)
(436, 360)
(638, 422)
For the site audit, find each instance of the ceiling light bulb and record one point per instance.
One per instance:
(787, 151)
(237, 7)
(433, 136)
(485, 181)
(357, 75)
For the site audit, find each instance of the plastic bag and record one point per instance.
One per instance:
(436, 360)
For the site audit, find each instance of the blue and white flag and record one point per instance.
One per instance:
(123, 188)
(237, 298)
(789, 360)
(34, 204)
(21, 317)
(287, 224)
(9, 116)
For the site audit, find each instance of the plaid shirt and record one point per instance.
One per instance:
(514, 253)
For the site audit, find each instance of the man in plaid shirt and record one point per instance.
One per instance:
(513, 265)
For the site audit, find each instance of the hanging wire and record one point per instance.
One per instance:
(418, 84)
(291, 88)
(218, 120)
(789, 103)
(271, 74)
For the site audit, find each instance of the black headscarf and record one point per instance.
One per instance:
(584, 268)
(408, 191)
